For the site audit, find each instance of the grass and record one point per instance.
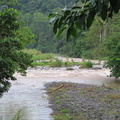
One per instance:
(62, 117)
(57, 102)
(18, 115)
(39, 59)
(45, 56)
(65, 116)
(82, 92)
(37, 55)
(43, 63)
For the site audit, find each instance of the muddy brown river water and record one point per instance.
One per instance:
(27, 93)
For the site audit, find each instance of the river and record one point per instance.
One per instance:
(28, 95)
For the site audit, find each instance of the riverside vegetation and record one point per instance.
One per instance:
(49, 59)
(18, 116)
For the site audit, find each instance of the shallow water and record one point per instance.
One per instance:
(29, 96)
(27, 93)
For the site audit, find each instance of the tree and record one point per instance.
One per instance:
(35, 13)
(94, 38)
(81, 16)
(12, 41)
(113, 47)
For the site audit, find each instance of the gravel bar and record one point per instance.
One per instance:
(84, 102)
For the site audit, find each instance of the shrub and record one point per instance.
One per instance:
(86, 64)
(56, 63)
(113, 63)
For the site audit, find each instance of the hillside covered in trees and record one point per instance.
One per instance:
(35, 15)
(89, 43)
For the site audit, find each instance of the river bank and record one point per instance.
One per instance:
(74, 101)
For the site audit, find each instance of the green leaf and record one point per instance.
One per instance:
(52, 19)
(82, 21)
(51, 15)
(73, 32)
(87, 3)
(55, 26)
(60, 32)
(99, 7)
(60, 23)
(77, 23)
(77, 7)
(67, 12)
(68, 34)
(90, 18)
(104, 12)
(117, 6)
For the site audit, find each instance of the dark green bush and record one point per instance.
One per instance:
(86, 64)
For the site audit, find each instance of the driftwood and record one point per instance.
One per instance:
(56, 88)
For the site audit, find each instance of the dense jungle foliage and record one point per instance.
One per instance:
(88, 44)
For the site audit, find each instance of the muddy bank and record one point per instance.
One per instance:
(84, 102)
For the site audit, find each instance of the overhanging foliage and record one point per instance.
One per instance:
(12, 59)
(82, 14)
